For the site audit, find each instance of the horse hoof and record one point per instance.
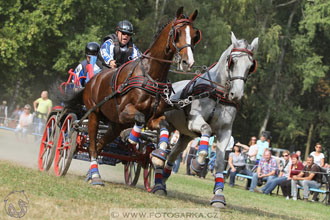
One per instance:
(157, 162)
(159, 190)
(218, 201)
(218, 205)
(96, 182)
(124, 135)
(196, 167)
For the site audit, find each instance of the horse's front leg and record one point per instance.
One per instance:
(160, 154)
(127, 116)
(93, 173)
(223, 137)
(198, 124)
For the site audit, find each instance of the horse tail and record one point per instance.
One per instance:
(74, 101)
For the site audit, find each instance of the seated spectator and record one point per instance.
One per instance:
(295, 168)
(237, 165)
(252, 152)
(309, 177)
(229, 149)
(265, 171)
(318, 155)
(283, 175)
(25, 121)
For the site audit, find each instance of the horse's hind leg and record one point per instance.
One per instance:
(93, 173)
(179, 147)
(108, 137)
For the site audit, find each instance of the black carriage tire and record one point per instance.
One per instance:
(72, 146)
(45, 165)
(128, 171)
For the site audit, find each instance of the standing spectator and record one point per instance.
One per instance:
(25, 121)
(298, 152)
(265, 171)
(173, 141)
(3, 113)
(237, 165)
(283, 176)
(263, 144)
(308, 177)
(318, 155)
(42, 107)
(193, 147)
(295, 168)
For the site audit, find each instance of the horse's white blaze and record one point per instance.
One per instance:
(190, 53)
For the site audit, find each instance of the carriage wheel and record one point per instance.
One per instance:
(149, 177)
(132, 173)
(66, 145)
(48, 144)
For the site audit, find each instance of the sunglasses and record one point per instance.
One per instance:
(26, 108)
(123, 33)
(285, 155)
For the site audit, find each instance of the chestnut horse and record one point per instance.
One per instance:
(136, 93)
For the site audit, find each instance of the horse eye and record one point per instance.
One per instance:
(177, 36)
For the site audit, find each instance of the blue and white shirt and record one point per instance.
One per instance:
(81, 70)
(108, 53)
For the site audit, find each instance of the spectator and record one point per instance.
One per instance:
(283, 175)
(252, 152)
(229, 149)
(263, 144)
(298, 152)
(42, 107)
(237, 165)
(3, 113)
(308, 177)
(318, 155)
(295, 168)
(25, 121)
(173, 141)
(265, 171)
(193, 147)
(16, 113)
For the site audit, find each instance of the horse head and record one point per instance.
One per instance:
(239, 65)
(182, 39)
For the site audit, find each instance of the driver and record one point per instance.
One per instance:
(118, 48)
(91, 51)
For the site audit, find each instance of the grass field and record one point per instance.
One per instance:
(70, 197)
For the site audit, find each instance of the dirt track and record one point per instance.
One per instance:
(25, 152)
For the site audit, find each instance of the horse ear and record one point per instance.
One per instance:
(255, 44)
(193, 16)
(179, 12)
(234, 40)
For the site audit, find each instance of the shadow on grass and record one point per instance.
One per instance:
(184, 197)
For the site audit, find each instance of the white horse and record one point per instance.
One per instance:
(214, 97)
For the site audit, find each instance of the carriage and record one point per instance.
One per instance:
(65, 137)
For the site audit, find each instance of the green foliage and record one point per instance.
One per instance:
(40, 40)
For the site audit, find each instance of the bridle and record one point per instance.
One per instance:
(171, 40)
(172, 37)
(242, 52)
